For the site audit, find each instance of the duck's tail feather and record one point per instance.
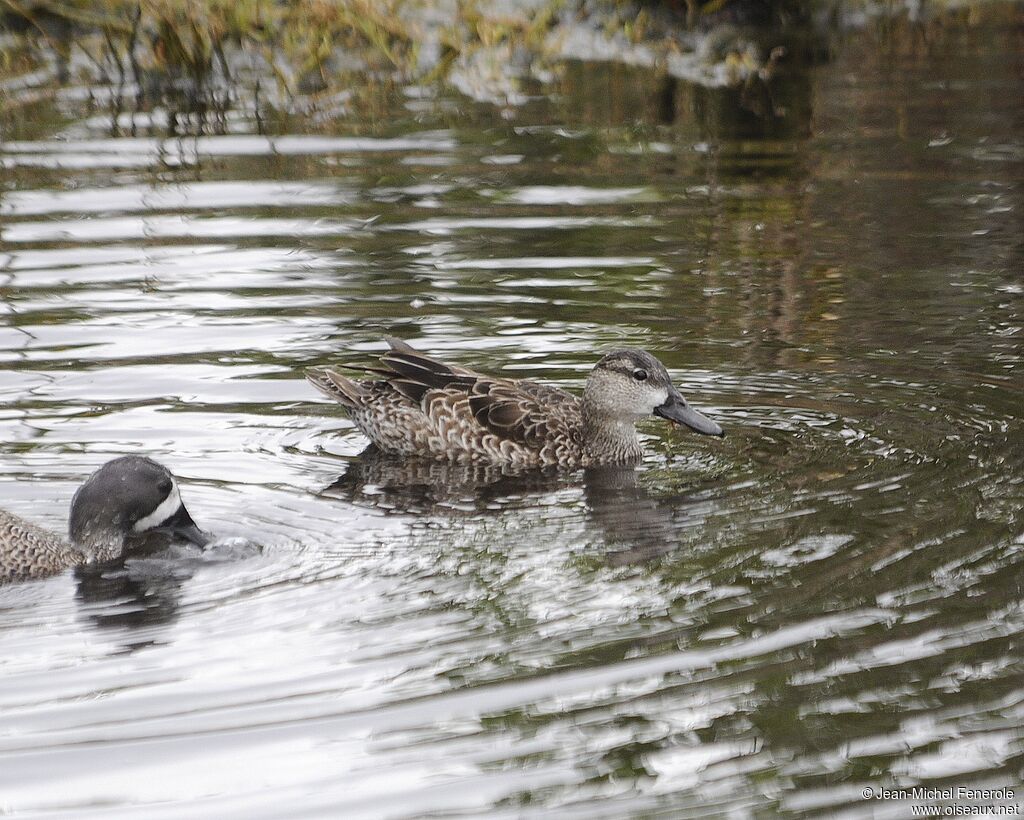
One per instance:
(399, 346)
(335, 386)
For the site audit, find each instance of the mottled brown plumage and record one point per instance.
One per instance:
(421, 407)
(28, 551)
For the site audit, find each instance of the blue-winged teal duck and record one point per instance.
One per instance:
(126, 497)
(422, 407)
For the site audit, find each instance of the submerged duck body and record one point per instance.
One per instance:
(421, 407)
(126, 497)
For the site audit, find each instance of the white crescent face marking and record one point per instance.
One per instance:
(659, 398)
(168, 507)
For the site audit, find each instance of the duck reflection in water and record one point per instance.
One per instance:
(146, 584)
(147, 588)
(634, 524)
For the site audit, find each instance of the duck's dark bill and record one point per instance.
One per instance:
(182, 526)
(675, 410)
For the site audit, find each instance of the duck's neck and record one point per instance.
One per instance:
(608, 439)
(99, 545)
(105, 551)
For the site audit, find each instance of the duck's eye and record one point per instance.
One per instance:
(639, 374)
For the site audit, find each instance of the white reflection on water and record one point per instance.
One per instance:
(105, 229)
(186, 196)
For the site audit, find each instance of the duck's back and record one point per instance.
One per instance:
(28, 551)
(423, 407)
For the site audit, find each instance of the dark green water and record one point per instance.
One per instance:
(827, 601)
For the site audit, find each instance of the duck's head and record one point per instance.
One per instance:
(627, 385)
(129, 496)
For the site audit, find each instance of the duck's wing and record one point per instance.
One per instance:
(525, 412)
(413, 374)
(424, 398)
(521, 411)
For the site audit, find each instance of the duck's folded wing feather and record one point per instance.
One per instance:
(524, 412)
(413, 374)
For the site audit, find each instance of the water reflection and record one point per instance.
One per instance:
(144, 588)
(131, 598)
(419, 486)
(636, 525)
(633, 524)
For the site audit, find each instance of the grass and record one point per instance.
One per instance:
(161, 44)
(316, 50)
(197, 49)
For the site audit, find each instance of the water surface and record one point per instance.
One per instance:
(827, 600)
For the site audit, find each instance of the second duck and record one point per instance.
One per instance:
(123, 501)
(421, 407)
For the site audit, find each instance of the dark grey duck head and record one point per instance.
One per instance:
(127, 497)
(630, 384)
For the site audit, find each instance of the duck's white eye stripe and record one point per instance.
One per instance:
(168, 507)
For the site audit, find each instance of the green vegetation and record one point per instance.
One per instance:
(328, 55)
(308, 46)
(201, 41)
